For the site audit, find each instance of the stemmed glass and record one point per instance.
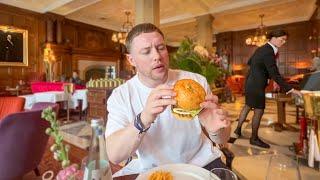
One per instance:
(281, 167)
(223, 173)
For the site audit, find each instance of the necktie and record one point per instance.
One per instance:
(276, 56)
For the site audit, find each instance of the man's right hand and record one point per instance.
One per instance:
(158, 100)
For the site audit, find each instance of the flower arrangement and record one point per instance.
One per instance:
(197, 59)
(70, 173)
(59, 149)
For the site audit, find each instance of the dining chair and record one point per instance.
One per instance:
(23, 141)
(10, 105)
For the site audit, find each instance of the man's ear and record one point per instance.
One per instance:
(131, 60)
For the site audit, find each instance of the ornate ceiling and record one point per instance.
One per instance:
(177, 17)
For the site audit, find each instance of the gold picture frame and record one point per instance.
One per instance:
(13, 46)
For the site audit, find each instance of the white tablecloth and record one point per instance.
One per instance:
(58, 96)
(30, 100)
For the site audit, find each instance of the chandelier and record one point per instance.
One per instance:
(260, 37)
(122, 34)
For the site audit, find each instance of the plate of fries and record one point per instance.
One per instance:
(176, 172)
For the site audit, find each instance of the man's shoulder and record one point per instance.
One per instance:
(123, 88)
(267, 48)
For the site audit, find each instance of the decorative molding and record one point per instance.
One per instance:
(65, 10)
(54, 5)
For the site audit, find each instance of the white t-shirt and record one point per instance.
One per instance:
(168, 140)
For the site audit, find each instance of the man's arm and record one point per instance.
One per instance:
(273, 71)
(222, 136)
(123, 143)
(126, 139)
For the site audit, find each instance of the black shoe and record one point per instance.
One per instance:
(259, 142)
(237, 132)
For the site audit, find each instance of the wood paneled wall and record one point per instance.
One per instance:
(298, 47)
(73, 41)
(32, 22)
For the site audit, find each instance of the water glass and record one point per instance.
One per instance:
(223, 173)
(281, 167)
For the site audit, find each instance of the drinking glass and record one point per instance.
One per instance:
(281, 167)
(223, 173)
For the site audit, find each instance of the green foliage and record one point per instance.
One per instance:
(60, 151)
(189, 60)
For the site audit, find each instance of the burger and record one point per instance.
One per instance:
(189, 95)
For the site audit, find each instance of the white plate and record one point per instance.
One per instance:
(181, 172)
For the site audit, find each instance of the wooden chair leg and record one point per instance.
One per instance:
(80, 108)
(36, 171)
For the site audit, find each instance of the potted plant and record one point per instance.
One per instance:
(195, 58)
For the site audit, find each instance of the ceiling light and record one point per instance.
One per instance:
(122, 34)
(260, 37)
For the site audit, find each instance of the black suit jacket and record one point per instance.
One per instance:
(263, 67)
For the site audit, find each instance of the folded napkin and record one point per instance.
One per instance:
(314, 153)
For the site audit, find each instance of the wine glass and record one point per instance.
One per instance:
(223, 173)
(281, 167)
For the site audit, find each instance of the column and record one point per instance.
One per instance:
(59, 32)
(204, 30)
(49, 30)
(147, 11)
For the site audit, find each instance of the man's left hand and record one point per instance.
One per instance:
(212, 116)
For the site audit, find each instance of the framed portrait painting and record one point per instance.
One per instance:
(13, 46)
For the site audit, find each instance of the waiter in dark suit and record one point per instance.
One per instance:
(262, 68)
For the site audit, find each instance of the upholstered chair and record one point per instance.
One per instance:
(23, 141)
(10, 105)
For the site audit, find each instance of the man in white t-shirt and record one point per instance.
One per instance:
(140, 119)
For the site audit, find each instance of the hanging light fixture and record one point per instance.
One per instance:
(260, 37)
(122, 34)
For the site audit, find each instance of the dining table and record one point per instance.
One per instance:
(281, 101)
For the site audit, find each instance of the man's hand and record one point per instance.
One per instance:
(296, 93)
(158, 100)
(212, 116)
(276, 87)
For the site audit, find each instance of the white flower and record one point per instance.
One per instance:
(201, 50)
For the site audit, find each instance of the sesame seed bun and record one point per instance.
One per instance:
(189, 96)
